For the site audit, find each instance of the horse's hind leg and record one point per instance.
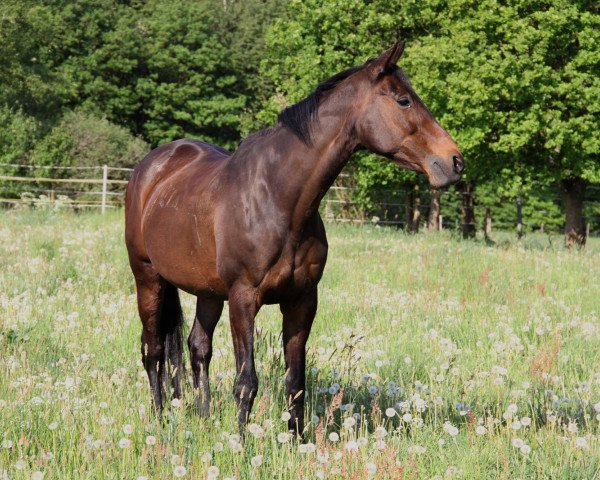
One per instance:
(160, 313)
(208, 312)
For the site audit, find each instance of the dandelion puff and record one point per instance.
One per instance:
(150, 440)
(283, 437)
(179, 471)
(206, 457)
(371, 468)
(390, 412)
(176, 403)
(20, 464)
(581, 442)
(314, 419)
(219, 447)
(351, 446)
(212, 472)
(142, 477)
(7, 444)
(53, 426)
(37, 475)
(349, 422)
(517, 442)
(380, 432)
(380, 445)
(256, 461)
(124, 443)
(480, 430)
(334, 437)
(175, 459)
(525, 449)
(127, 429)
(285, 416)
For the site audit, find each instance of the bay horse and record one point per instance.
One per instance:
(244, 227)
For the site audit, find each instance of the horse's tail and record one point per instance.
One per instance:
(172, 320)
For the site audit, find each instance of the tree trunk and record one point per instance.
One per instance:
(487, 225)
(468, 211)
(433, 220)
(573, 192)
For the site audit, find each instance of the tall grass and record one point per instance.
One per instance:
(430, 358)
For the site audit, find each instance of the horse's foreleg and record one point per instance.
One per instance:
(298, 317)
(208, 312)
(150, 291)
(242, 310)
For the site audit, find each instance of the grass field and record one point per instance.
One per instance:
(430, 358)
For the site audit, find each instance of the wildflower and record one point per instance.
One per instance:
(480, 430)
(334, 437)
(283, 437)
(127, 429)
(581, 442)
(371, 468)
(390, 412)
(150, 440)
(206, 457)
(285, 416)
(517, 442)
(525, 449)
(256, 430)
(349, 422)
(212, 472)
(256, 461)
(450, 429)
(352, 446)
(179, 471)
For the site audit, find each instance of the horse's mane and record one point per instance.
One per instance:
(298, 117)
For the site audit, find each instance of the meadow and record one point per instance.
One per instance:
(430, 358)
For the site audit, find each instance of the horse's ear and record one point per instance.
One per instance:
(384, 62)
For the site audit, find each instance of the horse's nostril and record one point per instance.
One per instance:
(458, 163)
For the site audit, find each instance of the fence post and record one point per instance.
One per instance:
(519, 217)
(487, 225)
(104, 187)
(441, 224)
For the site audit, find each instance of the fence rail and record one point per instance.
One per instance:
(339, 204)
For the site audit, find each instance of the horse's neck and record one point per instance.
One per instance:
(305, 172)
(282, 174)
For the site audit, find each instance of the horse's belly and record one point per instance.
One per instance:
(181, 248)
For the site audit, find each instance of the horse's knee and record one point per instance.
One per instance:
(200, 351)
(245, 388)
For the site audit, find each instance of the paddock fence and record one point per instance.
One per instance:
(103, 187)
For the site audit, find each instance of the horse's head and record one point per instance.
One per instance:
(394, 122)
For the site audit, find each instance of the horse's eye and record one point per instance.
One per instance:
(404, 102)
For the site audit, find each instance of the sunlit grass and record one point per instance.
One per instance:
(453, 359)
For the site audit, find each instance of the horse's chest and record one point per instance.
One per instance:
(296, 271)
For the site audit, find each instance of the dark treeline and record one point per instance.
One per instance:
(91, 82)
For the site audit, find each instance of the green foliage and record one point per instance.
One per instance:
(84, 140)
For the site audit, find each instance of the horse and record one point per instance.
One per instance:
(244, 227)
